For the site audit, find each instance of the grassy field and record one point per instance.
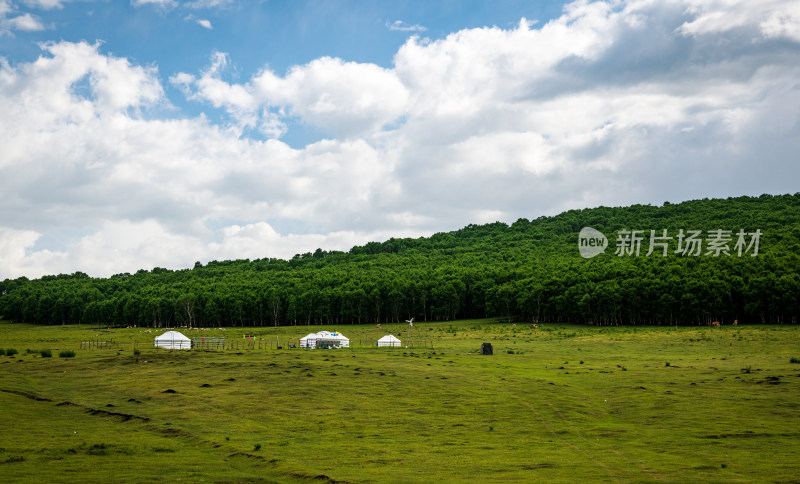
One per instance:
(558, 404)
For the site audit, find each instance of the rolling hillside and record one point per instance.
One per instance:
(741, 263)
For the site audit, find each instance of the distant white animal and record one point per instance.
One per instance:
(409, 321)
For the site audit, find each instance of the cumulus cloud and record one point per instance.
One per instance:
(13, 20)
(610, 103)
(79, 153)
(26, 22)
(344, 99)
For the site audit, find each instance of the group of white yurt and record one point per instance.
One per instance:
(323, 339)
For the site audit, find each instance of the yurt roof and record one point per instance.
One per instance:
(172, 335)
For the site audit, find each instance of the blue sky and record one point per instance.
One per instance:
(149, 133)
(181, 36)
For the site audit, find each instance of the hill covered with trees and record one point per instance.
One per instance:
(686, 263)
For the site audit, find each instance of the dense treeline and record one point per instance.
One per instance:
(530, 270)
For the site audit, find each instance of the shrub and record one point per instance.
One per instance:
(66, 354)
(2, 352)
(11, 352)
(46, 353)
(794, 359)
(666, 364)
(257, 447)
(98, 449)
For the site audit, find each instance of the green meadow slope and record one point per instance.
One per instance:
(561, 403)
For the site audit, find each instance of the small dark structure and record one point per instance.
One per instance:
(486, 349)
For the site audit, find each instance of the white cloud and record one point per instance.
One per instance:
(126, 246)
(399, 25)
(13, 246)
(11, 19)
(45, 4)
(773, 18)
(183, 81)
(209, 3)
(157, 3)
(170, 180)
(205, 24)
(25, 22)
(344, 99)
(611, 103)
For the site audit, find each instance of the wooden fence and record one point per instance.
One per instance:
(213, 343)
(97, 344)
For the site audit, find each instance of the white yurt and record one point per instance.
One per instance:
(388, 340)
(325, 339)
(309, 341)
(172, 340)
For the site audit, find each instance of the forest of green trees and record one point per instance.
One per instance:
(530, 270)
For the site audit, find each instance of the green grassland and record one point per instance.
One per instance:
(560, 403)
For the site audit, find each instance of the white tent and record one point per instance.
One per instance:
(325, 339)
(173, 340)
(309, 341)
(388, 340)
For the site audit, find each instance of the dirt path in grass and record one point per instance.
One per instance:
(147, 424)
